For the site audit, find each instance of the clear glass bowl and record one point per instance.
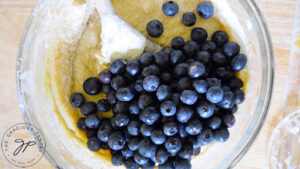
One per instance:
(35, 106)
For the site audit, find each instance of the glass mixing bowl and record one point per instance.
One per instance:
(260, 68)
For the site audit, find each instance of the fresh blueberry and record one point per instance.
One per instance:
(228, 120)
(177, 42)
(118, 82)
(235, 83)
(105, 77)
(215, 122)
(214, 94)
(116, 141)
(121, 119)
(175, 98)
(131, 164)
(189, 97)
(186, 152)
(161, 156)
(190, 48)
(111, 97)
(94, 144)
(162, 59)
(183, 164)
(138, 85)
(147, 58)
(106, 88)
(92, 86)
(205, 109)
(124, 94)
(166, 77)
(167, 50)
(170, 128)
(149, 165)
(219, 38)
(223, 74)
(231, 49)
(81, 123)
(184, 84)
(133, 128)
(209, 46)
(133, 67)
(228, 100)
(176, 57)
(139, 159)
(120, 107)
(234, 108)
(170, 8)
(163, 92)
(184, 114)
(205, 10)
(91, 133)
(151, 83)
(103, 105)
(211, 82)
(147, 148)
(155, 28)
(193, 127)
(146, 100)
(149, 116)
(196, 69)
(158, 137)
(238, 62)
(219, 59)
(203, 57)
(239, 96)
(173, 144)
(198, 35)
(134, 108)
(117, 66)
(221, 135)
(197, 151)
(150, 70)
(168, 108)
(133, 143)
(126, 152)
(180, 70)
(206, 137)
(146, 130)
(200, 86)
(117, 159)
(76, 99)
(104, 131)
(189, 19)
(88, 108)
(181, 131)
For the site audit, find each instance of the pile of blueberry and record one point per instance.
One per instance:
(155, 28)
(166, 105)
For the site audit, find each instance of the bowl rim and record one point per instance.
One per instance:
(245, 148)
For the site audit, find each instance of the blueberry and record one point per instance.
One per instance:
(167, 165)
(196, 69)
(161, 156)
(163, 92)
(88, 108)
(203, 57)
(206, 137)
(238, 62)
(120, 107)
(139, 159)
(239, 96)
(94, 144)
(133, 128)
(116, 141)
(131, 164)
(118, 82)
(166, 77)
(76, 99)
(173, 144)
(181, 131)
(231, 49)
(149, 165)
(177, 42)
(234, 108)
(151, 83)
(168, 108)
(81, 123)
(183, 164)
(105, 77)
(190, 48)
(104, 131)
(235, 83)
(197, 151)
(146, 130)
(205, 10)
(175, 98)
(121, 119)
(198, 35)
(91, 133)
(147, 148)
(134, 108)
(228, 120)
(205, 109)
(184, 114)
(211, 82)
(133, 67)
(170, 128)
(170, 8)
(180, 70)
(214, 94)
(154, 28)
(106, 88)
(200, 86)
(147, 58)
(124, 94)
(133, 143)
(209, 46)
(158, 137)
(223, 74)
(221, 135)
(92, 86)
(149, 116)
(150, 70)
(228, 100)
(215, 122)
(162, 59)
(219, 38)
(176, 57)
(167, 50)
(117, 66)
(193, 127)
(103, 105)
(186, 152)
(117, 159)
(189, 19)
(219, 59)
(146, 100)
(111, 97)
(126, 152)
(184, 84)
(189, 97)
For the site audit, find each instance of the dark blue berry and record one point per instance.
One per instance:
(88, 108)
(116, 140)
(147, 58)
(170, 8)
(103, 105)
(149, 165)
(163, 92)
(121, 119)
(120, 107)
(138, 85)
(221, 135)
(175, 98)
(151, 83)
(126, 152)
(197, 151)
(81, 123)
(139, 159)
(235, 83)
(131, 164)
(205, 109)
(168, 108)
(231, 49)
(147, 148)
(166, 77)
(205, 10)
(184, 114)
(94, 144)
(184, 84)
(211, 82)
(234, 108)
(189, 97)
(111, 97)
(173, 144)
(158, 137)
(104, 131)
(214, 94)
(162, 59)
(150, 70)
(133, 143)
(117, 159)
(239, 96)
(146, 130)
(149, 116)
(146, 100)
(198, 35)
(76, 99)
(106, 88)
(189, 19)
(92, 86)
(206, 137)
(161, 156)
(154, 28)
(200, 86)
(183, 164)
(203, 57)
(124, 94)
(134, 108)
(180, 70)
(117, 66)
(196, 69)
(219, 59)
(228, 120)
(133, 128)
(238, 62)
(167, 50)
(177, 43)
(176, 57)
(118, 82)
(190, 48)
(105, 77)
(133, 67)
(186, 152)
(170, 128)
(209, 46)
(228, 100)
(193, 127)
(219, 38)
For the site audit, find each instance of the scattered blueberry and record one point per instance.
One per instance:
(120, 107)
(92, 86)
(205, 109)
(186, 152)
(111, 97)
(121, 120)
(76, 99)
(180, 70)
(149, 116)
(238, 62)
(161, 156)
(184, 84)
(105, 77)
(116, 140)
(173, 144)
(235, 83)
(106, 88)
(176, 57)
(219, 59)
(205, 10)
(209, 46)
(196, 69)
(149, 165)
(163, 92)
(198, 35)
(81, 123)
(162, 59)
(124, 94)
(206, 137)
(231, 49)
(190, 48)
(158, 137)
(167, 50)
(103, 105)
(131, 164)
(88, 108)
(134, 108)
(170, 8)
(139, 159)
(203, 57)
(215, 122)
(147, 58)
(228, 100)
(189, 19)
(211, 82)
(214, 94)
(221, 135)
(239, 96)
(177, 43)
(170, 128)
(146, 100)
(147, 148)
(189, 97)
(117, 66)
(175, 98)
(168, 108)
(228, 120)
(117, 159)
(150, 70)
(118, 82)
(154, 28)
(104, 131)
(133, 128)
(193, 127)
(219, 38)
(133, 67)
(146, 130)
(133, 143)
(184, 114)
(200, 86)
(94, 144)
(151, 83)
